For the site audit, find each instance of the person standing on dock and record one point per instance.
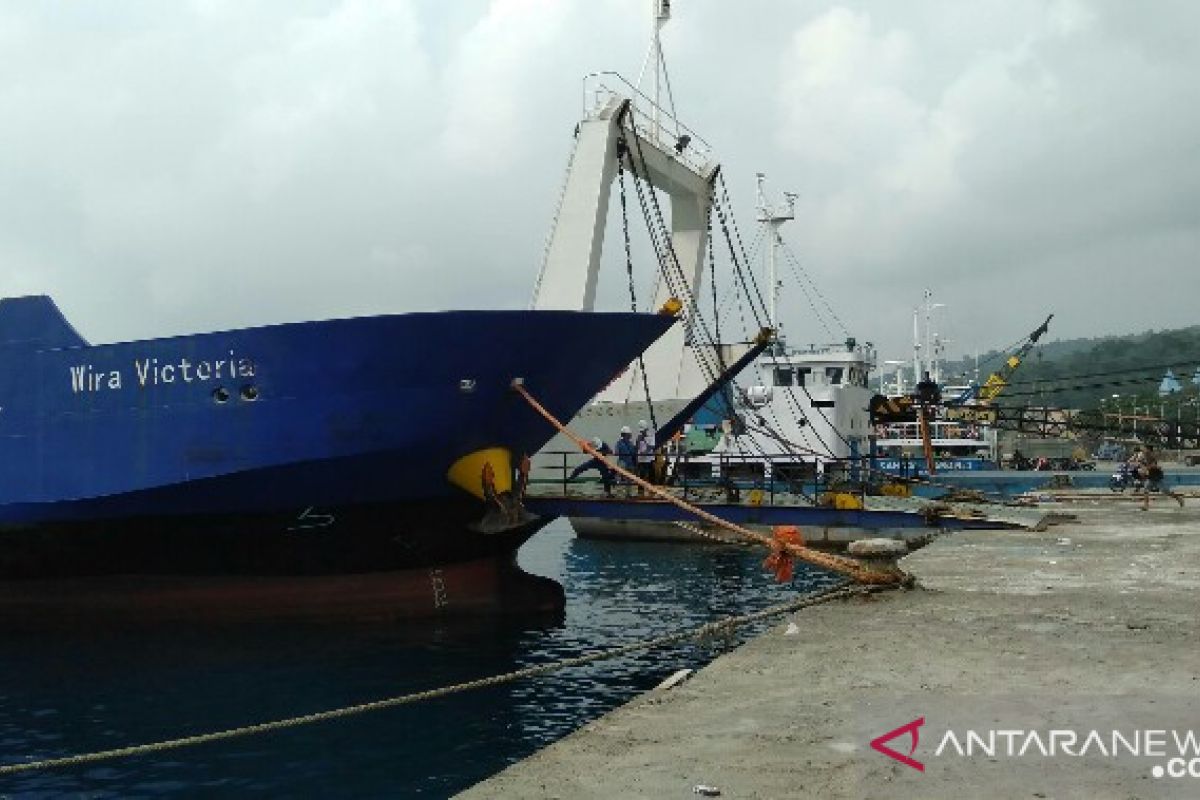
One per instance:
(645, 451)
(599, 464)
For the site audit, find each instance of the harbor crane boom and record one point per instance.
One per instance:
(998, 380)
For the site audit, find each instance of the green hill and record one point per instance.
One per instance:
(1080, 373)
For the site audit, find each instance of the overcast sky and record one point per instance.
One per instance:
(178, 167)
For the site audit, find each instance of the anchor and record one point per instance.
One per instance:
(488, 475)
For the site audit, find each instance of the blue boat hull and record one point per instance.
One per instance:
(318, 447)
(910, 467)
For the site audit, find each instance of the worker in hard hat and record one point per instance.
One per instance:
(599, 464)
(627, 450)
(644, 442)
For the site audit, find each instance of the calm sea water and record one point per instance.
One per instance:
(64, 693)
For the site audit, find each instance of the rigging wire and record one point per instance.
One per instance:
(720, 203)
(794, 262)
(790, 393)
(671, 267)
(791, 401)
(1004, 352)
(736, 390)
(731, 293)
(673, 273)
(632, 292)
(816, 312)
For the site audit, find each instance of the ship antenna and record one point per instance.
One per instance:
(660, 15)
(772, 218)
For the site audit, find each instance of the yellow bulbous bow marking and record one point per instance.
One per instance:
(467, 473)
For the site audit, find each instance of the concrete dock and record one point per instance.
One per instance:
(1028, 640)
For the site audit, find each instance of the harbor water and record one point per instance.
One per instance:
(64, 692)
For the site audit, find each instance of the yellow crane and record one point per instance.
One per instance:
(996, 382)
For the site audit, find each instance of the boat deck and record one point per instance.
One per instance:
(587, 499)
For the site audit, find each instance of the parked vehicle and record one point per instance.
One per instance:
(1046, 464)
(1069, 464)
(1124, 477)
(1110, 451)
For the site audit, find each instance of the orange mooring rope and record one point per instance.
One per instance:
(850, 567)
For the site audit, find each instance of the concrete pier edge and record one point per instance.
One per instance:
(1089, 625)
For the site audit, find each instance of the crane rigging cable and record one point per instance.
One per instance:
(632, 291)
(1001, 353)
(721, 203)
(650, 216)
(793, 401)
(856, 570)
(672, 273)
(804, 429)
(731, 293)
(801, 276)
(816, 312)
(669, 263)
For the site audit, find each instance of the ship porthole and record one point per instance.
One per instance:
(221, 394)
(249, 393)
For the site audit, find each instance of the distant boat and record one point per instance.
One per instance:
(960, 436)
(305, 449)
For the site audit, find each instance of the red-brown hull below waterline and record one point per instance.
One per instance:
(473, 588)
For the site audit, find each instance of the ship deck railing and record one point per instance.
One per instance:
(775, 476)
(652, 122)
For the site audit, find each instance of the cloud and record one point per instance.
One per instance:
(488, 122)
(1018, 156)
(174, 167)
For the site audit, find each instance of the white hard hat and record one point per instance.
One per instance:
(642, 425)
(597, 441)
(625, 430)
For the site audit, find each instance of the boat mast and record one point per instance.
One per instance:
(933, 343)
(772, 218)
(928, 323)
(660, 11)
(916, 346)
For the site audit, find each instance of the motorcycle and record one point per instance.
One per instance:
(1125, 477)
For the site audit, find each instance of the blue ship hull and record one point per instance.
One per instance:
(916, 466)
(306, 448)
